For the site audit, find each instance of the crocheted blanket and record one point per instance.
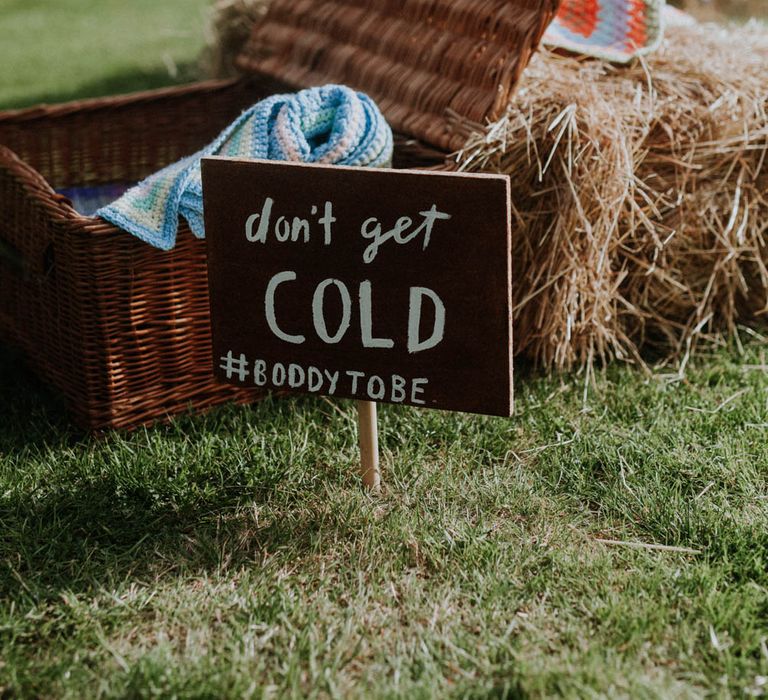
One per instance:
(615, 30)
(331, 125)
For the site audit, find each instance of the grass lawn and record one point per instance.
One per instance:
(55, 50)
(234, 555)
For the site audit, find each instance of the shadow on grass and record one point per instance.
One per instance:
(32, 414)
(100, 534)
(96, 523)
(115, 84)
(104, 515)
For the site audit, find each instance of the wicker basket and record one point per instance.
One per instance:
(122, 329)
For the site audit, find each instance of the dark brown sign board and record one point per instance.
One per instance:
(372, 284)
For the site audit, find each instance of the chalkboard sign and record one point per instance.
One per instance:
(377, 285)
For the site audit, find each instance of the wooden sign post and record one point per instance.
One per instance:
(368, 435)
(377, 285)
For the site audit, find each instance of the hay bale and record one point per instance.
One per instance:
(640, 196)
(716, 10)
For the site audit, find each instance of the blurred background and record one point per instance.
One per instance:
(56, 50)
(719, 9)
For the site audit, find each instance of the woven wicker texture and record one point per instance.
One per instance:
(120, 329)
(423, 61)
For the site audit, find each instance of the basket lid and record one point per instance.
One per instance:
(430, 64)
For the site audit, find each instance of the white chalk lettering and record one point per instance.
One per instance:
(296, 376)
(414, 320)
(314, 379)
(282, 230)
(263, 219)
(333, 378)
(398, 389)
(269, 307)
(372, 230)
(278, 374)
(366, 320)
(430, 216)
(299, 229)
(326, 221)
(376, 389)
(318, 317)
(417, 389)
(295, 229)
(355, 376)
(259, 373)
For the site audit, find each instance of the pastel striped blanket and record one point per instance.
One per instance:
(615, 30)
(331, 124)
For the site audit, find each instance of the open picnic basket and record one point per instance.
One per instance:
(122, 329)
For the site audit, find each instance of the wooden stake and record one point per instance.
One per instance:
(368, 433)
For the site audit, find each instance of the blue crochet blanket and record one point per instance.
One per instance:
(331, 125)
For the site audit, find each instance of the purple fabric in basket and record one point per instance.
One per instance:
(86, 200)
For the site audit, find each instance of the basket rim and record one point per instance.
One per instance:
(40, 191)
(60, 109)
(58, 206)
